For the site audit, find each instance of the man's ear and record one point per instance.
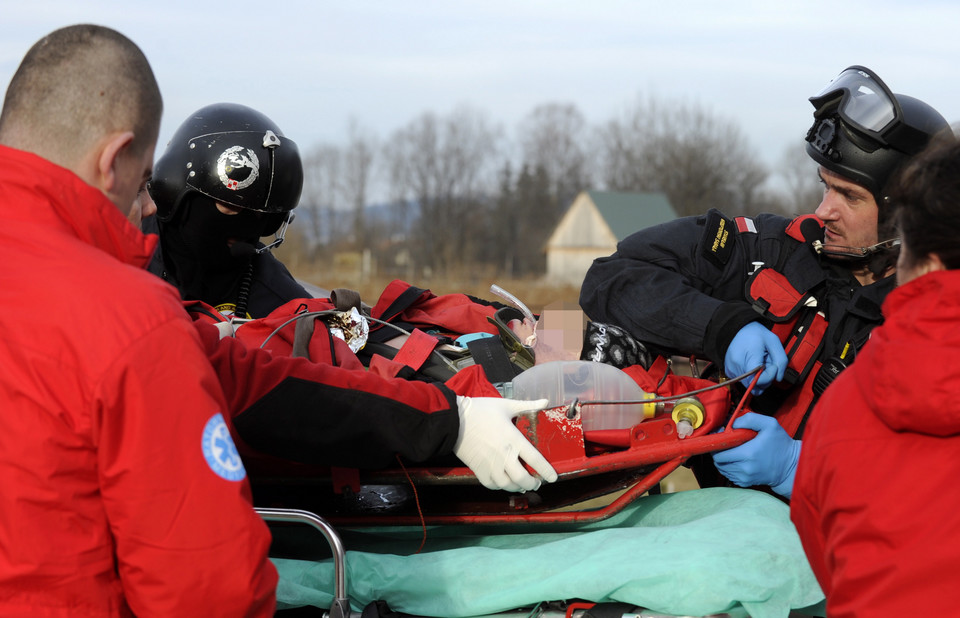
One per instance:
(113, 147)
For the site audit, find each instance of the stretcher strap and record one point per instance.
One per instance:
(490, 354)
(416, 349)
(345, 299)
(302, 334)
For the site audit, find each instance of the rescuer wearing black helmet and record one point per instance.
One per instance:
(863, 133)
(228, 177)
(796, 297)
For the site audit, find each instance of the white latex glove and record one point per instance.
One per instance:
(492, 446)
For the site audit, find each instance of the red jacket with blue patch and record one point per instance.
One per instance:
(122, 491)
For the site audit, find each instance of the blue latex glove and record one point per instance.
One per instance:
(755, 345)
(769, 458)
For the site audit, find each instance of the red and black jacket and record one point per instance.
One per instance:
(329, 410)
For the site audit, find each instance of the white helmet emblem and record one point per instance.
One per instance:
(235, 162)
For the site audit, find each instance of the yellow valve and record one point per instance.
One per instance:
(690, 410)
(688, 414)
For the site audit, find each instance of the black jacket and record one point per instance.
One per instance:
(681, 286)
(271, 284)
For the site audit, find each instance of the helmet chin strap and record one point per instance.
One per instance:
(854, 252)
(279, 236)
(240, 249)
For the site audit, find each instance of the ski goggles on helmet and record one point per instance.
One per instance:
(865, 104)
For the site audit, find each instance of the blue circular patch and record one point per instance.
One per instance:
(220, 451)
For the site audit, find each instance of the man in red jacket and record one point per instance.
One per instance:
(122, 490)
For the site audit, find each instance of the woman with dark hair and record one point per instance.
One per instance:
(874, 497)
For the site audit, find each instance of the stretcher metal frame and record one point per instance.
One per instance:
(340, 606)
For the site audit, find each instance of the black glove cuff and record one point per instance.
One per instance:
(726, 322)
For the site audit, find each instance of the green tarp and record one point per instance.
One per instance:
(690, 553)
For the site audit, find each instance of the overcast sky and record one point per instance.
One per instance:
(313, 65)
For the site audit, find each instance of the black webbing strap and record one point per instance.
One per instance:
(345, 299)
(303, 332)
(489, 353)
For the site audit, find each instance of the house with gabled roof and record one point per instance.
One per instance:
(593, 225)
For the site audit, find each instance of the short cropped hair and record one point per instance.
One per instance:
(76, 85)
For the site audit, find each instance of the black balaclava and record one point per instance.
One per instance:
(198, 254)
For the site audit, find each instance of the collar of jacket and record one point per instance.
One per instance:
(913, 378)
(38, 191)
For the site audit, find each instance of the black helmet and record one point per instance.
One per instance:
(864, 132)
(234, 155)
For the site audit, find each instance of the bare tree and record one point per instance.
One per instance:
(799, 173)
(443, 165)
(699, 161)
(318, 202)
(354, 181)
(553, 138)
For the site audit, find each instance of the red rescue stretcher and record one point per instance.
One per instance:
(600, 472)
(624, 464)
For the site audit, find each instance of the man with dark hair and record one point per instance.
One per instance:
(797, 297)
(122, 490)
